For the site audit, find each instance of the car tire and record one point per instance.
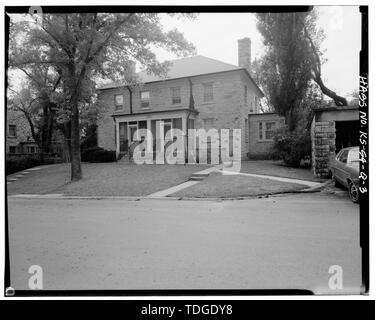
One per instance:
(353, 192)
(335, 182)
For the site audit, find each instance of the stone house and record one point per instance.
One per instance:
(199, 92)
(19, 140)
(18, 135)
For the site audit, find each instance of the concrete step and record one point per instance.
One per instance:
(198, 174)
(196, 178)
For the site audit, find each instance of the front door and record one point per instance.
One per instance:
(133, 129)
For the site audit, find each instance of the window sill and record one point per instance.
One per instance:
(265, 140)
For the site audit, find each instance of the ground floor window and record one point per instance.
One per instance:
(30, 149)
(266, 130)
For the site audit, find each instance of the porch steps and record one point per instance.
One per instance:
(201, 175)
(124, 158)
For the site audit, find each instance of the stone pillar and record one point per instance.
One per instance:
(323, 146)
(184, 132)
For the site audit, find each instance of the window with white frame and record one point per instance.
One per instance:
(145, 99)
(12, 130)
(208, 92)
(30, 149)
(266, 130)
(119, 101)
(176, 95)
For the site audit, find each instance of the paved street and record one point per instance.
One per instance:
(276, 242)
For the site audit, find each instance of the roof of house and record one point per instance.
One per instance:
(186, 67)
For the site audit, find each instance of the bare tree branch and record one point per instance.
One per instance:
(339, 101)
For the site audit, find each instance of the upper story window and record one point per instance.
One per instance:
(145, 99)
(119, 101)
(176, 95)
(208, 92)
(12, 132)
(245, 95)
(266, 130)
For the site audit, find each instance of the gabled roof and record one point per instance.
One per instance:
(186, 67)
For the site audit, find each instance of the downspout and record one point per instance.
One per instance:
(130, 100)
(191, 107)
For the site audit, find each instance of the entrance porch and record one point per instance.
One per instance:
(127, 126)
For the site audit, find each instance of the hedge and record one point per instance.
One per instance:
(292, 147)
(19, 163)
(97, 154)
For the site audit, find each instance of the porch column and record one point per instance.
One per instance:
(184, 130)
(150, 141)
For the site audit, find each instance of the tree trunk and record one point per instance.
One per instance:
(66, 130)
(76, 170)
(290, 119)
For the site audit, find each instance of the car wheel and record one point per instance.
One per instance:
(335, 182)
(353, 192)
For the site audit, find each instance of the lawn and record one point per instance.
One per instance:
(227, 186)
(278, 169)
(104, 179)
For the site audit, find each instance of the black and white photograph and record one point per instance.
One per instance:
(172, 150)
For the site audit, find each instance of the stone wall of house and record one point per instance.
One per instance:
(323, 142)
(261, 149)
(23, 132)
(227, 110)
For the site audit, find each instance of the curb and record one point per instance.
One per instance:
(133, 198)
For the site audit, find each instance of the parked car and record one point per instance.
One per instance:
(344, 169)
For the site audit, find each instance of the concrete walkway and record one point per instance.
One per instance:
(310, 184)
(195, 178)
(21, 174)
(166, 192)
(199, 176)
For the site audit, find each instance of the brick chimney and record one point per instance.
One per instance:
(244, 53)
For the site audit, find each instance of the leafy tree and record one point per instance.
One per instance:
(33, 101)
(291, 61)
(82, 47)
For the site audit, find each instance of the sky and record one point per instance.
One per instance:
(215, 35)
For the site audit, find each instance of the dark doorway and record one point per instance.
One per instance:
(347, 134)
